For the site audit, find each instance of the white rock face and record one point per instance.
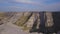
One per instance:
(49, 19)
(30, 21)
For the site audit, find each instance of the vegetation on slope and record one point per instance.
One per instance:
(22, 21)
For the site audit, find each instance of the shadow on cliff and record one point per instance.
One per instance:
(56, 20)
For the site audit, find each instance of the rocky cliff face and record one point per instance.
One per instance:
(27, 21)
(49, 19)
(33, 20)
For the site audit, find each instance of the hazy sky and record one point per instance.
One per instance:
(29, 5)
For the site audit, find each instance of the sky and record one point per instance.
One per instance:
(29, 5)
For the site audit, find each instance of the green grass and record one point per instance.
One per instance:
(21, 20)
(26, 28)
(2, 15)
